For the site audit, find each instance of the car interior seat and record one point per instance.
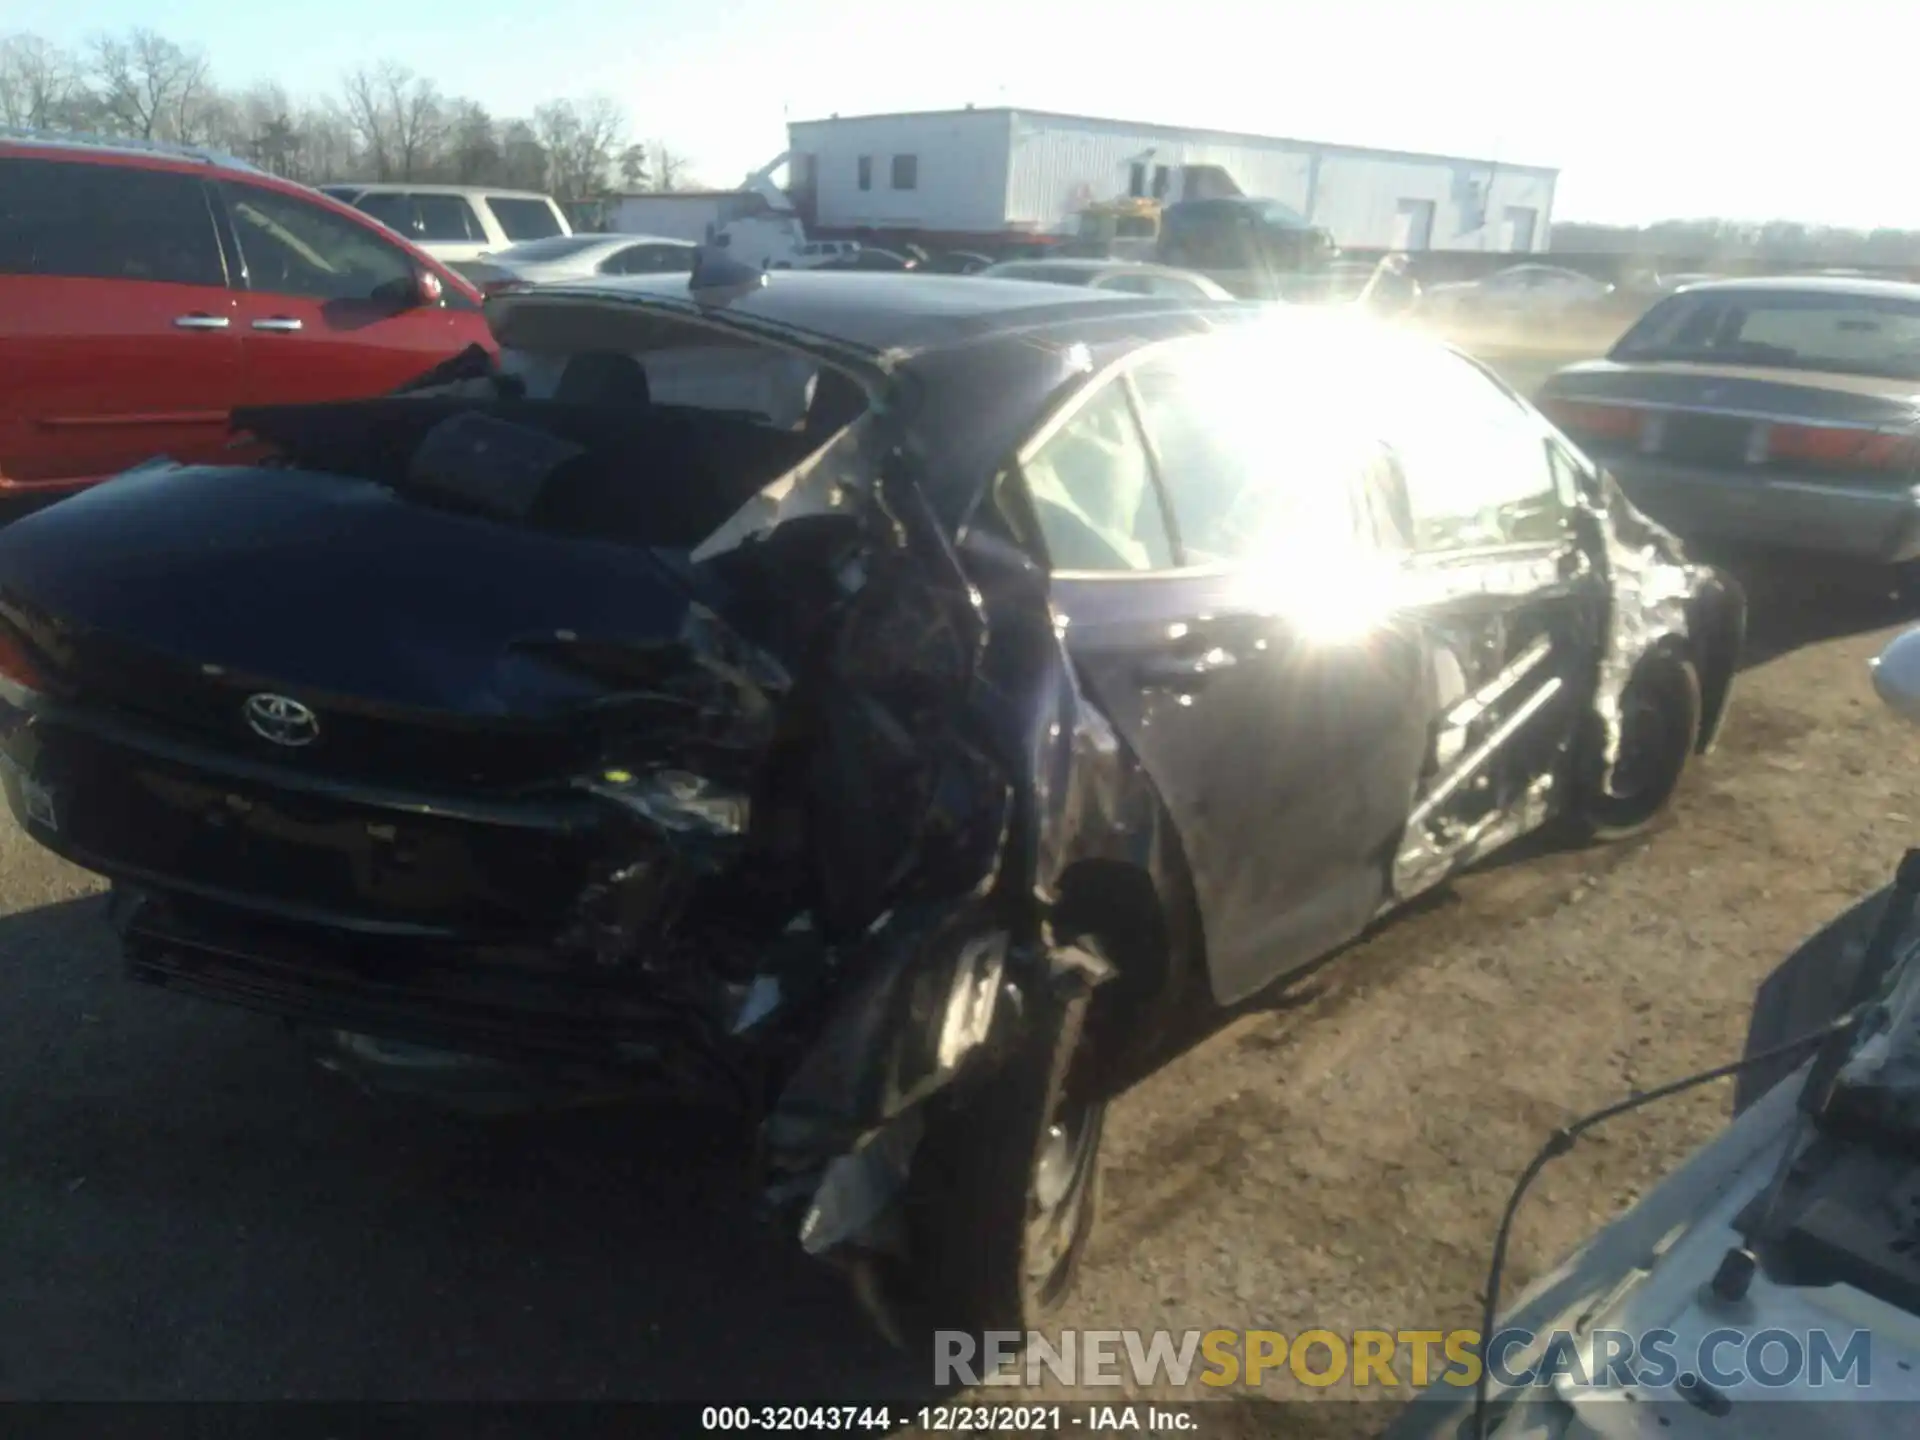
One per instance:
(604, 378)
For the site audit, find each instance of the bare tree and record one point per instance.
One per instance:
(669, 168)
(148, 86)
(581, 140)
(363, 103)
(385, 121)
(326, 145)
(473, 147)
(523, 159)
(633, 167)
(40, 84)
(398, 116)
(419, 123)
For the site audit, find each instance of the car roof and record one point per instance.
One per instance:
(408, 187)
(886, 312)
(1861, 286)
(156, 153)
(1116, 264)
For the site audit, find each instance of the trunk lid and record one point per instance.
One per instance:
(1721, 415)
(423, 640)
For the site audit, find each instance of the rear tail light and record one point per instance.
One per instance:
(18, 674)
(1595, 420)
(1835, 449)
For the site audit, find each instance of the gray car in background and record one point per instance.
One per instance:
(1779, 414)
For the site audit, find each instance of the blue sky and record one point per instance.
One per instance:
(1687, 107)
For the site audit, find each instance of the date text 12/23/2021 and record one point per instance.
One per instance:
(947, 1419)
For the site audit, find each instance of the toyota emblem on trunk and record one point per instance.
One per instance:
(281, 720)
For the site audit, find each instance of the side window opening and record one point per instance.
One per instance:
(109, 222)
(1092, 490)
(1476, 461)
(1263, 463)
(446, 218)
(295, 248)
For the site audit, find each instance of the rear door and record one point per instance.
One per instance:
(118, 338)
(1282, 728)
(330, 309)
(1510, 600)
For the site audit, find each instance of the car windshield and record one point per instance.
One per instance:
(554, 247)
(1875, 335)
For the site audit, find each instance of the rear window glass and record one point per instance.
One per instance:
(524, 219)
(1876, 335)
(106, 221)
(392, 211)
(445, 217)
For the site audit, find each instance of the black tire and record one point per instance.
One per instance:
(1659, 731)
(1005, 1187)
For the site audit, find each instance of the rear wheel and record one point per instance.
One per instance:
(1659, 729)
(1005, 1187)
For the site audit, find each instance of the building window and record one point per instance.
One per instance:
(1161, 177)
(866, 172)
(906, 172)
(1137, 179)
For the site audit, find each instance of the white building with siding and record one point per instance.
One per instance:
(995, 171)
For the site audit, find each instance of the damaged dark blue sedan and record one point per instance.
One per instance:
(881, 703)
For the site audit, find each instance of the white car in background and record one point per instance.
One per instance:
(456, 223)
(578, 257)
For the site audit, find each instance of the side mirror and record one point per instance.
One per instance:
(422, 290)
(1896, 676)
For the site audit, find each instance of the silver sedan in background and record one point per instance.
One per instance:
(578, 257)
(1780, 414)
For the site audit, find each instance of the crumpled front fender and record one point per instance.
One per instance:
(1661, 600)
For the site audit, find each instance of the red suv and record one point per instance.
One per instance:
(146, 291)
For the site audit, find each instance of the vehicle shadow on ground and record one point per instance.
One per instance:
(1795, 604)
(198, 1212)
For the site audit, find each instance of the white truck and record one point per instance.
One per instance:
(755, 224)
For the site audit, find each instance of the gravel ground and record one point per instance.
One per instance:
(190, 1211)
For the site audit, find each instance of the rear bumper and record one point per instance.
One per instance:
(1879, 524)
(524, 1008)
(175, 817)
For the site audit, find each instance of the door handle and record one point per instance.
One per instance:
(1184, 669)
(199, 320)
(280, 324)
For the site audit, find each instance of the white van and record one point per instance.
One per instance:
(455, 223)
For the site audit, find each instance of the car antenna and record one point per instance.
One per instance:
(719, 279)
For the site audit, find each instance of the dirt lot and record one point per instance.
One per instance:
(191, 1211)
